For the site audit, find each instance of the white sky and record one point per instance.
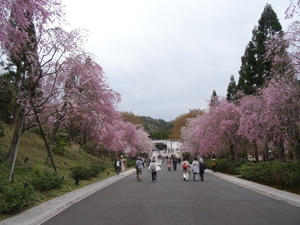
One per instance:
(167, 56)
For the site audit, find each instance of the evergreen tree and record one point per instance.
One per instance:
(7, 93)
(254, 69)
(213, 98)
(231, 90)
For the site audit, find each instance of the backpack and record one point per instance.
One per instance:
(153, 167)
(184, 166)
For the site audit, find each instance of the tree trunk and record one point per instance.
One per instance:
(293, 146)
(13, 151)
(80, 142)
(232, 156)
(256, 152)
(16, 136)
(280, 146)
(266, 151)
(52, 136)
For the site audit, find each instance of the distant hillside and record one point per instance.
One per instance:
(155, 126)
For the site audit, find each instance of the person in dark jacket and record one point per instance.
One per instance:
(175, 163)
(118, 166)
(202, 167)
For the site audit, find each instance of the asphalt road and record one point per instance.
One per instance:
(173, 201)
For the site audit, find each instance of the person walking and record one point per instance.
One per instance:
(185, 169)
(213, 163)
(139, 168)
(195, 169)
(123, 165)
(175, 163)
(154, 167)
(202, 167)
(117, 166)
(168, 163)
(148, 161)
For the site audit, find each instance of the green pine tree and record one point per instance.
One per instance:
(254, 69)
(213, 98)
(231, 90)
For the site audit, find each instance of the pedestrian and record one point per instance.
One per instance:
(144, 162)
(123, 165)
(213, 163)
(179, 160)
(168, 163)
(195, 169)
(202, 167)
(154, 167)
(139, 168)
(175, 163)
(148, 161)
(117, 165)
(185, 169)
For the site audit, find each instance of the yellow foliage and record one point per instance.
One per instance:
(181, 120)
(130, 117)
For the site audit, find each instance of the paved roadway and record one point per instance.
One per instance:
(216, 200)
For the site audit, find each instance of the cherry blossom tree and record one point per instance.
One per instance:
(124, 136)
(215, 129)
(292, 9)
(292, 35)
(252, 127)
(22, 22)
(198, 136)
(281, 103)
(57, 82)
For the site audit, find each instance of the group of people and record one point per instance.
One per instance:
(153, 167)
(120, 165)
(173, 160)
(197, 167)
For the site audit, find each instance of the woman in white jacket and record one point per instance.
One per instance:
(195, 169)
(154, 167)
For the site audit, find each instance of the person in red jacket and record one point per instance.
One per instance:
(185, 169)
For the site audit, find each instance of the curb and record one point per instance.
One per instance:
(284, 196)
(46, 210)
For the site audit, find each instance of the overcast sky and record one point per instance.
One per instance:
(167, 56)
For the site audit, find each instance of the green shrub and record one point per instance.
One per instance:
(226, 166)
(45, 180)
(15, 196)
(87, 148)
(80, 173)
(233, 166)
(130, 163)
(96, 169)
(83, 173)
(2, 129)
(272, 172)
(254, 171)
(292, 174)
(60, 147)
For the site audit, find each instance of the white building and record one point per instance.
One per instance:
(167, 144)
